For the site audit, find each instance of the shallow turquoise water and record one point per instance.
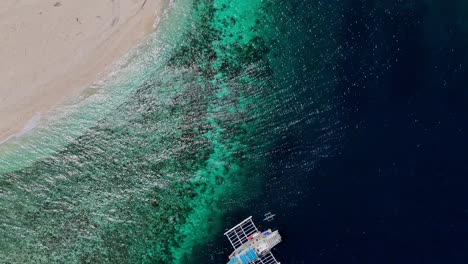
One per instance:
(144, 168)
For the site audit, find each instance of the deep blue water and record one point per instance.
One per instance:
(397, 191)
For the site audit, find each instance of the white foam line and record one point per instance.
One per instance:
(30, 125)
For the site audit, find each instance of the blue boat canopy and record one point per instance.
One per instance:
(245, 257)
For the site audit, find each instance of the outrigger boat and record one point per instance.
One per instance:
(269, 217)
(250, 245)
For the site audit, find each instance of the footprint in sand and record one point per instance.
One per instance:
(115, 12)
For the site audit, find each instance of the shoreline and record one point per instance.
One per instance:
(30, 125)
(54, 50)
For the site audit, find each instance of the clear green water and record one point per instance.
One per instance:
(143, 169)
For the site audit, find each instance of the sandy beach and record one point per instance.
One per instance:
(52, 50)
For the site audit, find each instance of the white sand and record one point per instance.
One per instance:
(51, 50)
